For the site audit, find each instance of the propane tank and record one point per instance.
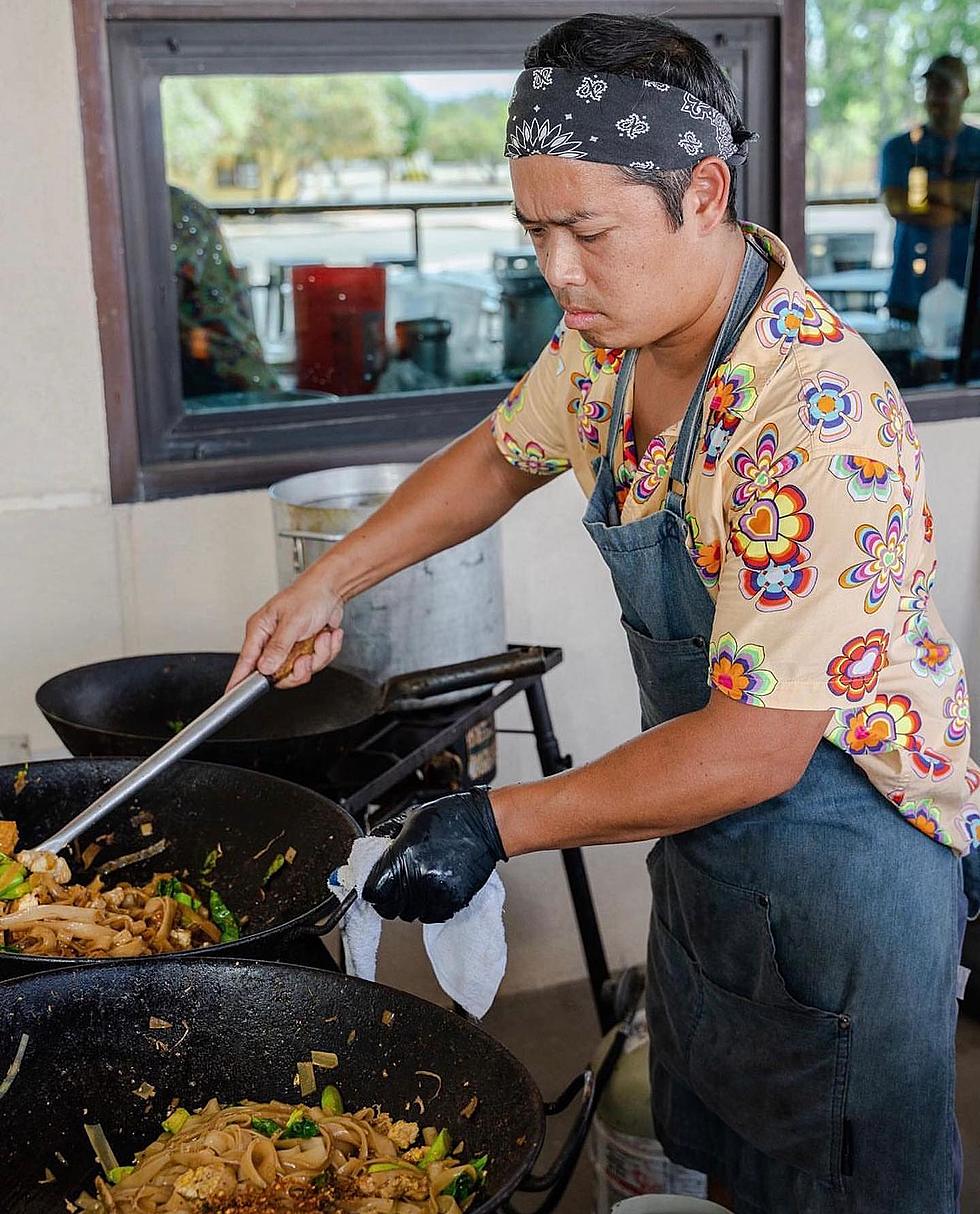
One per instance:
(627, 1157)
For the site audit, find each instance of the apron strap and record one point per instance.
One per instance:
(619, 402)
(748, 292)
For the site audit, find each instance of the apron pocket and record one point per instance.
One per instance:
(772, 1068)
(777, 1076)
(672, 674)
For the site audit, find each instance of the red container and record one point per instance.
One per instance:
(340, 327)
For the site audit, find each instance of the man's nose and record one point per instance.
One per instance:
(560, 264)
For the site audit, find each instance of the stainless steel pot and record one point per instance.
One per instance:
(449, 608)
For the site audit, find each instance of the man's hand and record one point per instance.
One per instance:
(307, 608)
(442, 857)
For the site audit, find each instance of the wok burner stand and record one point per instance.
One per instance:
(412, 756)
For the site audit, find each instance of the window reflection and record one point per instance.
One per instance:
(355, 235)
(890, 225)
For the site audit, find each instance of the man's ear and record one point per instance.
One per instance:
(711, 180)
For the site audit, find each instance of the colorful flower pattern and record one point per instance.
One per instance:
(772, 530)
(721, 427)
(513, 402)
(887, 723)
(924, 816)
(653, 469)
(731, 390)
(915, 601)
(956, 711)
(706, 555)
(933, 658)
(589, 416)
(737, 671)
(830, 406)
(779, 325)
(760, 473)
(854, 672)
(885, 566)
(532, 458)
(599, 361)
(820, 322)
(893, 427)
(866, 478)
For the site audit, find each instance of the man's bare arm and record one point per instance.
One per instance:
(455, 494)
(683, 774)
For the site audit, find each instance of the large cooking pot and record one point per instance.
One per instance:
(236, 1031)
(195, 806)
(131, 706)
(447, 608)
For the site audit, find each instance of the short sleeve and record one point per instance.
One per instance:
(809, 589)
(528, 423)
(895, 163)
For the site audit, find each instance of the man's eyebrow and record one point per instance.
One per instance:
(557, 221)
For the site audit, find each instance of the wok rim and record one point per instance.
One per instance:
(228, 951)
(494, 1202)
(375, 689)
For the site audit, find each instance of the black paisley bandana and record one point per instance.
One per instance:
(640, 124)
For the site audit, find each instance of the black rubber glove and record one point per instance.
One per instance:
(442, 856)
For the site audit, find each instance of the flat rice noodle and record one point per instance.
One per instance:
(258, 1164)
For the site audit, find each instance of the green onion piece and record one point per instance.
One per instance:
(116, 1174)
(169, 887)
(439, 1149)
(296, 1115)
(266, 1126)
(392, 1166)
(15, 891)
(175, 726)
(330, 1100)
(304, 1128)
(223, 918)
(183, 899)
(464, 1185)
(278, 860)
(210, 860)
(12, 876)
(176, 1120)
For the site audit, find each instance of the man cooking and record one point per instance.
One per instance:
(756, 488)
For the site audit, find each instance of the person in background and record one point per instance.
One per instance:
(928, 176)
(219, 350)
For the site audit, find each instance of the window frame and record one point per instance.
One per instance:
(123, 47)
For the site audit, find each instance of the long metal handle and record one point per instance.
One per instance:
(231, 704)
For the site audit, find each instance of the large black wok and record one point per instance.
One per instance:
(130, 706)
(196, 806)
(238, 1029)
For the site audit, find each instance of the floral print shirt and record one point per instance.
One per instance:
(810, 528)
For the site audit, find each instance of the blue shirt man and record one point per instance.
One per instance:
(928, 177)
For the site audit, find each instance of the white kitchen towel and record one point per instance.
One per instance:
(468, 953)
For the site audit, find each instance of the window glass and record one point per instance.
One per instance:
(343, 235)
(893, 160)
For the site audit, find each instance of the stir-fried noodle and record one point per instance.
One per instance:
(274, 1156)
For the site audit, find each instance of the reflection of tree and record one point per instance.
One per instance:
(471, 129)
(863, 59)
(284, 125)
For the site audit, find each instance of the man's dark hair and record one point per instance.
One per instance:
(645, 48)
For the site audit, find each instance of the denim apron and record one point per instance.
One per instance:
(802, 953)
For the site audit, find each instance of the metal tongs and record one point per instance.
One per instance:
(231, 705)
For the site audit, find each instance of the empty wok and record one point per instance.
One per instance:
(130, 706)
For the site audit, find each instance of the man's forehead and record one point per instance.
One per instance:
(556, 216)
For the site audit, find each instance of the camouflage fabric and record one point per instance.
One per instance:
(219, 351)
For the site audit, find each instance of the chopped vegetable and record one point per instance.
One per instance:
(157, 1023)
(350, 1036)
(145, 1091)
(8, 837)
(12, 875)
(304, 1072)
(89, 854)
(210, 861)
(464, 1185)
(278, 860)
(392, 1167)
(324, 1059)
(289, 855)
(331, 1100)
(387, 1018)
(100, 1145)
(304, 1128)
(223, 918)
(176, 1120)
(114, 1175)
(20, 781)
(175, 726)
(154, 849)
(438, 1149)
(265, 1125)
(470, 1108)
(146, 829)
(169, 887)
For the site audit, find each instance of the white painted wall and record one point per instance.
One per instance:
(84, 580)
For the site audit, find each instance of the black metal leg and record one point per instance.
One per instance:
(552, 762)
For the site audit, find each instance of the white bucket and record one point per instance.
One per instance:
(666, 1203)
